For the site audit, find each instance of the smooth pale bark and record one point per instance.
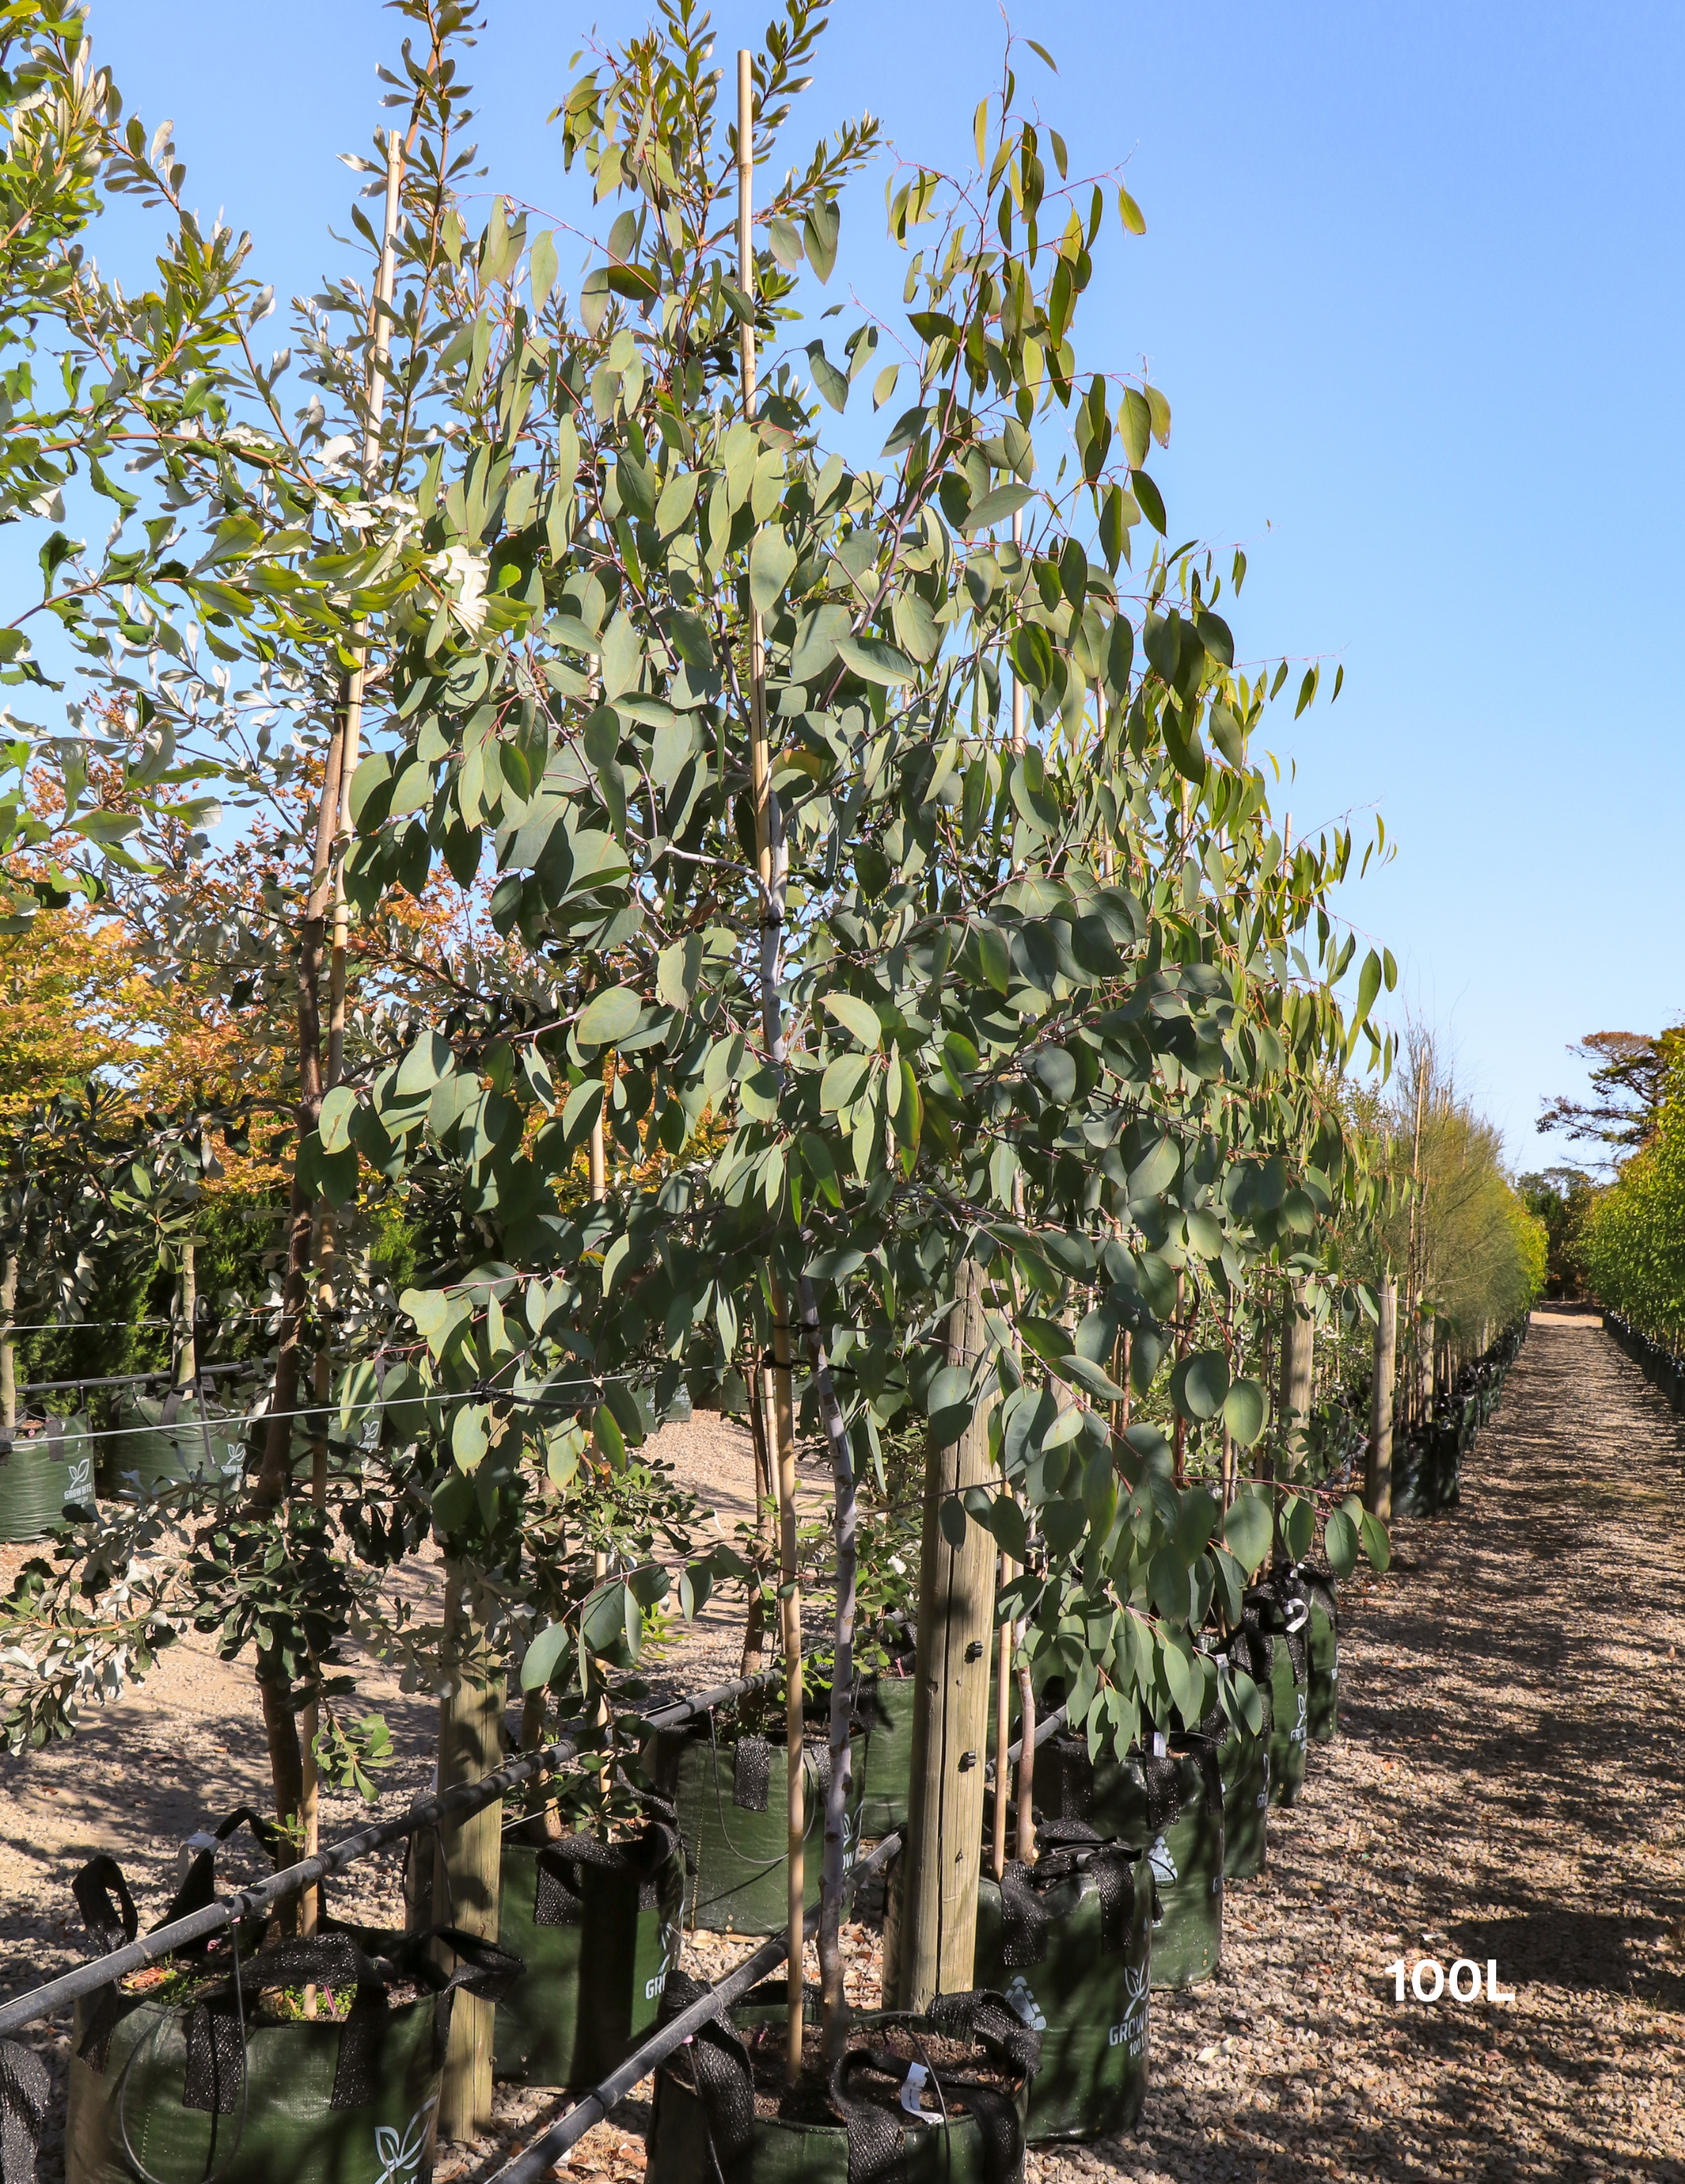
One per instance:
(769, 870)
(468, 1857)
(1003, 1715)
(838, 1793)
(936, 1920)
(187, 1364)
(789, 1605)
(1378, 1467)
(9, 1366)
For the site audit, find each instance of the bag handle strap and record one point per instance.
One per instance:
(25, 2096)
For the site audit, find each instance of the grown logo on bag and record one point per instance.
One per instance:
(402, 2157)
(1019, 1998)
(668, 1938)
(1132, 2032)
(1163, 1865)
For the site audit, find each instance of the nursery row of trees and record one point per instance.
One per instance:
(1629, 1235)
(660, 846)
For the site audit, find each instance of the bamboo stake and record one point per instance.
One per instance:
(8, 1363)
(766, 833)
(184, 1365)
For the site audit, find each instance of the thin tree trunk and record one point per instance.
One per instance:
(1023, 1843)
(1378, 1467)
(1179, 1460)
(1003, 1718)
(789, 1600)
(840, 1791)
(9, 1363)
(936, 1921)
(765, 1514)
(769, 868)
(185, 1364)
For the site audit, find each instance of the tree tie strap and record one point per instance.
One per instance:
(877, 2146)
(1162, 1775)
(1320, 1591)
(719, 2077)
(561, 1886)
(1068, 1849)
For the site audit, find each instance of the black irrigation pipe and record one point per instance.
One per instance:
(441, 1808)
(530, 2165)
(135, 1380)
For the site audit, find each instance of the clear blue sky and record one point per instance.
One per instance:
(1412, 282)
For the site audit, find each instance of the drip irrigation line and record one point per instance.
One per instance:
(536, 2160)
(557, 1391)
(441, 1808)
(88, 1326)
(248, 1365)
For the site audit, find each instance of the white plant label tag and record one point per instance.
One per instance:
(913, 2088)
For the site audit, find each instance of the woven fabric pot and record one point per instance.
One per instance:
(704, 2127)
(597, 1926)
(48, 1466)
(1322, 1663)
(195, 2091)
(169, 1439)
(1068, 1942)
(886, 1704)
(731, 1807)
(1278, 1610)
(1171, 1806)
(1243, 1762)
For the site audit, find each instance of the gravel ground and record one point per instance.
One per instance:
(1508, 1785)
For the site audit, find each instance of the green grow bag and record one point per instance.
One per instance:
(1243, 1765)
(168, 1439)
(732, 1813)
(1322, 1663)
(1279, 1612)
(1171, 1805)
(173, 2090)
(705, 2124)
(597, 1926)
(886, 1706)
(48, 1466)
(1068, 1941)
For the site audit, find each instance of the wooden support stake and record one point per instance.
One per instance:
(468, 1860)
(936, 1916)
(1378, 1464)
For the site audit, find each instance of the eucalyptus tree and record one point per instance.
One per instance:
(886, 868)
(730, 712)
